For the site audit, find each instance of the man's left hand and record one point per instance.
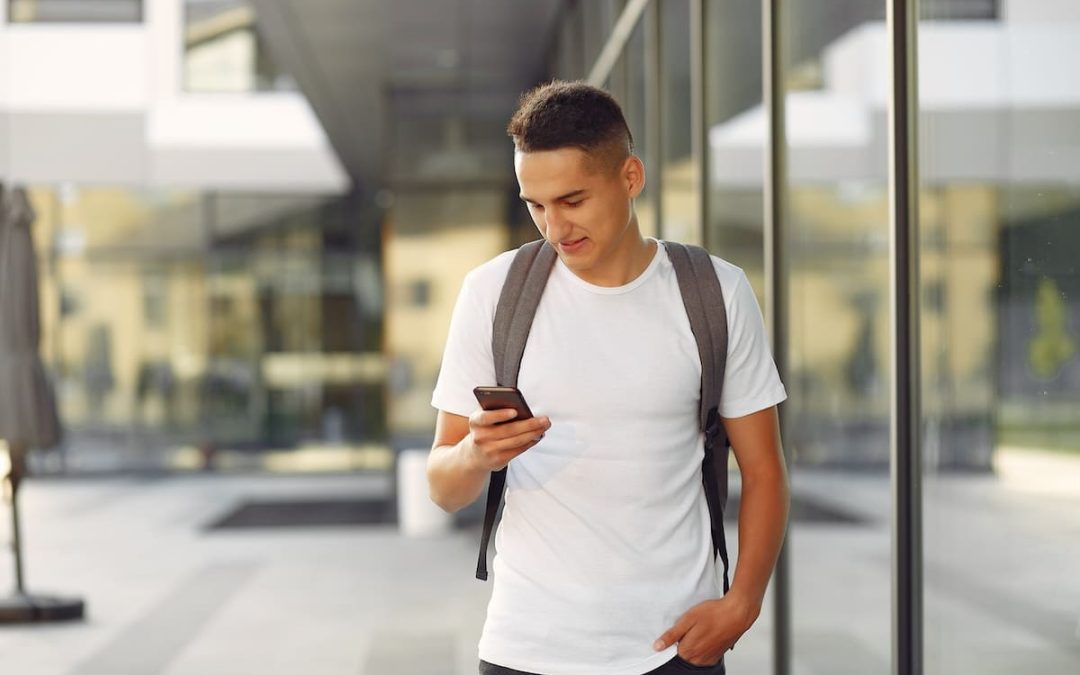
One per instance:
(706, 631)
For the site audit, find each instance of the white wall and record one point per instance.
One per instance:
(88, 68)
(102, 104)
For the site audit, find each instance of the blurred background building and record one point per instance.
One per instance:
(253, 218)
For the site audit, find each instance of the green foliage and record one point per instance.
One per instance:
(1052, 346)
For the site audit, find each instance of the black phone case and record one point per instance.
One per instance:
(497, 398)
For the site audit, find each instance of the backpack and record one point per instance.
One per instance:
(704, 302)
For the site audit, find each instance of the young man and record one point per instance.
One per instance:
(604, 562)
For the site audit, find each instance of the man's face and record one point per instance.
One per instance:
(581, 206)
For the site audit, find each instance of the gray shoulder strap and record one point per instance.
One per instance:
(704, 302)
(514, 314)
(517, 306)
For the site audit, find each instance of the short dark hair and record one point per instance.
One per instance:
(563, 114)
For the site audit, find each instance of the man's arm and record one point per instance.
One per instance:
(706, 631)
(764, 504)
(467, 449)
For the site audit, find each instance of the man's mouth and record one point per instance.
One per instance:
(568, 244)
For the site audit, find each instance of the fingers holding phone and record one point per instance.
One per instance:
(504, 427)
(496, 439)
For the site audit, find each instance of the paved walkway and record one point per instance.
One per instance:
(164, 595)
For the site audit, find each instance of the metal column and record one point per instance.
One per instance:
(776, 296)
(699, 122)
(654, 110)
(906, 459)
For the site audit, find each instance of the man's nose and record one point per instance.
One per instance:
(556, 225)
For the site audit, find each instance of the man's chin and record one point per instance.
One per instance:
(575, 262)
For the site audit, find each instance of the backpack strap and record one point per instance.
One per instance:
(514, 314)
(704, 302)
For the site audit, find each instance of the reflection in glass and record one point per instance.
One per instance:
(838, 334)
(634, 107)
(678, 220)
(224, 52)
(1000, 215)
(570, 44)
(733, 226)
(439, 234)
(191, 329)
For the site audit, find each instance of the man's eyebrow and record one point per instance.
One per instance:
(568, 195)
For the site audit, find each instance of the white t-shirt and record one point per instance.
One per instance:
(604, 540)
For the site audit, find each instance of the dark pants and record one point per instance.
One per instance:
(675, 666)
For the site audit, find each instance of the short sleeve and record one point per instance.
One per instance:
(467, 359)
(751, 381)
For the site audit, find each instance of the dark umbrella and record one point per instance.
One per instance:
(27, 407)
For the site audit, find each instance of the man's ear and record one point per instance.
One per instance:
(633, 175)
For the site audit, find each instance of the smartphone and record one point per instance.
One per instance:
(497, 398)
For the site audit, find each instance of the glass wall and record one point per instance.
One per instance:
(598, 18)
(637, 116)
(678, 220)
(839, 340)
(224, 52)
(195, 330)
(570, 43)
(733, 225)
(461, 227)
(1000, 212)
(450, 204)
(736, 135)
(1000, 329)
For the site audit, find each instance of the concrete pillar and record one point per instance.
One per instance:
(418, 516)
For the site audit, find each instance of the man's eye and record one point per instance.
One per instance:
(573, 204)
(538, 207)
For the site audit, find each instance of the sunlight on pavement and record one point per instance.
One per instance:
(1038, 471)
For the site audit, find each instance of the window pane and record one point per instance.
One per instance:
(733, 96)
(594, 32)
(461, 227)
(224, 52)
(1000, 227)
(838, 331)
(634, 107)
(733, 226)
(678, 220)
(245, 325)
(570, 43)
(75, 11)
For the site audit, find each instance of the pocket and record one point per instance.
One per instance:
(715, 669)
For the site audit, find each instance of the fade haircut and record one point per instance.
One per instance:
(563, 114)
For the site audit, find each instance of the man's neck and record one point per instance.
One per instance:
(626, 263)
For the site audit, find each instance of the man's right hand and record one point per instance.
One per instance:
(493, 440)
(467, 449)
